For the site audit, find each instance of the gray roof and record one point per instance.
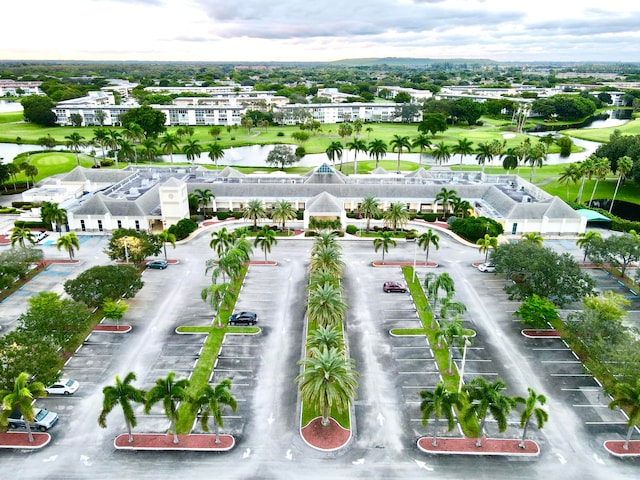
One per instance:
(326, 175)
(379, 171)
(324, 203)
(228, 172)
(419, 173)
(106, 175)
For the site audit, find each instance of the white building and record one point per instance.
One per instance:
(19, 89)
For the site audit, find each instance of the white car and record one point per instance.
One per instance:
(64, 386)
(487, 267)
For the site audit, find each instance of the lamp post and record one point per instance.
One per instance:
(464, 359)
(415, 254)
(126, 250)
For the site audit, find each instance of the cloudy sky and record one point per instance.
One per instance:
(321, 30)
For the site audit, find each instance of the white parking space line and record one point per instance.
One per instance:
(562, 361)
(570, 375)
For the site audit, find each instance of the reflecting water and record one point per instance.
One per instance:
(614, 118)
(9, 106)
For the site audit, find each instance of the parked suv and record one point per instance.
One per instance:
(394, 287)
(43, 420)
(243, 318)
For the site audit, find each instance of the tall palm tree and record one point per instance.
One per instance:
(216, 295)
(601, 168)
(536, 155)
(149, 150)
(328, 380)
(327, 336)
(75, 142)
(100, 136)
(369, 207)
(127, 152)
(442, 282)
(383, 241)
(586, 241)
(531, 409)
(204, 197)
(510, 159)
(192, 149)
(210, 400)
(333, 151)
(112, 142)
(325, 239)
(20, 236)
(586, 172)
(327, 258)
(533, 237)
(283, 211)
(625, 164)
(398, 144)
(165, 237)
(486, 243)
(69, 242)
(484, 154)
(445, 196)
(396, 216)
(570, 174)
(484, 398)
(462, 148)
(439, 403)
(169, 143)
(377, 149)
(497, 147)
(122, 393)
(221, 240)
(452, 333)
(357, 145)
(461, 208)
(21, 398)
(265, 239)
(30, 171)
(168, 391)
(325, 305)
(421, 142)
(628, 397)
(441, 153)
(216, 152)
(254, 211)
(449, 307)
(426, 240)
(52, 213)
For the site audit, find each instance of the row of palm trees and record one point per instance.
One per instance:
(10, 171)
(23, 236)
(208, 400)
(131, 141)
(328, 379)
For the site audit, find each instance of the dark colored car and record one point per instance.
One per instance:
(394, 287)
(243, 318)
(159, 264)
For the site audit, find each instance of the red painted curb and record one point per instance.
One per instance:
(616, 448)
(21, 440)
(543, 333)
(113, 328)
(160, 442)
(490, 446)
(329, 438)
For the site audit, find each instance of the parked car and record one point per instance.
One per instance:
(64, 386)
(243, 318)
(394, 287)
(43, 420)
(487, 267)
(158, 264)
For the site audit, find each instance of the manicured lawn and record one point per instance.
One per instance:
(602, 134)
(10, 117)
(53, 163)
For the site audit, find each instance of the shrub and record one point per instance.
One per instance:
(280, 134)
(223, 215)
(352, 229)
(430, 217)
(23, 224)
(238, 215)
(473, 228)
(183, 228)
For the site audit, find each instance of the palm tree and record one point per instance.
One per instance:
(510, 159)
(368, 208)
(325, 239)
(113, 142)
(382, 241)
(265, 239)
(601, 168)
(398, 144)
(461, 208)
(536, 155)
(450, 307)
(450, 332)
(69, 242)
(377, 149)
(484, 398)
(52, 213)
(149, 150)
(484, 154)
(441, 282)
(325, 336)
(127, 152)
(169, 392)
(100, 136)
(486, 243)
(75, 142)
(333, 151)
(134, 133)
(254, 211)
(533, 237)
(445, 196)
(327, 258)
(586, 172)
(325, 305)
(422, 142)
(169, 143)
(357, 145)
(192, 149)
(216, 152)
(21, 398)
(210, 400)
(165, 237)
(30, 171)
(396, 216)
(628, 397)
(204, 197)
(462, 148)
(216, 295)
(625, 164)
(497, 147)
(328, 380)
(283, 211)
(570, 174)
(20, 236)
(122, 393)
(439, 403)
(586, 241)
(531, 408)
(426, 240)
(441, 153)
(220, 241)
